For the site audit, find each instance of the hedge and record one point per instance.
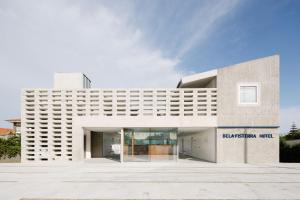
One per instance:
(289, 153)
(10, 147)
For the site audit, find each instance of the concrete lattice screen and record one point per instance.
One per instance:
(48, 113)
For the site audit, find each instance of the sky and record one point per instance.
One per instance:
(147, 43)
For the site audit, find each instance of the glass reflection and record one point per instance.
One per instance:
(150, 145)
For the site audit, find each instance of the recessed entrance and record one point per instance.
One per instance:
(102, 145)
(96, 145)
(197, 145)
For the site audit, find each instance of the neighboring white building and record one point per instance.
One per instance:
(16, 123)
(229, 115)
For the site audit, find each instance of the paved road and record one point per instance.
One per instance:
(174, 180)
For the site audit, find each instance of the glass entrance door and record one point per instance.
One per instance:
(150, 145)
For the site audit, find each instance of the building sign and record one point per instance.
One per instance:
(248, 135)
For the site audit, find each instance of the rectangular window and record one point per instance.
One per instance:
(248, 94)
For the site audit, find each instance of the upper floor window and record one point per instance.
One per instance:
(248, 94)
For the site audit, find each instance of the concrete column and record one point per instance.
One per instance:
(122, 145)
(88, 145)
(177, 149)
(77, 143)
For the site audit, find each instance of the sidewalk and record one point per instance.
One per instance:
(174, 180)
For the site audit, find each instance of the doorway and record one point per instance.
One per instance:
(96, 145)
(102, 145)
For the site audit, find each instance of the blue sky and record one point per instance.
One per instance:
(257, 29)
(144, 43)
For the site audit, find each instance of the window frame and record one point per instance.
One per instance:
(248, 84)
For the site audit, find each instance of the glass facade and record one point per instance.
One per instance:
(149, 145)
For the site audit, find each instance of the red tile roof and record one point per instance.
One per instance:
(5, 131)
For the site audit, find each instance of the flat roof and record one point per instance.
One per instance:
(14, 120)
(197, 78)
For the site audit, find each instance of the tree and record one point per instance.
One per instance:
(294, 132)
(294, 129)
(10, 147)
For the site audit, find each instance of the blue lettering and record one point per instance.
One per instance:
(245, 135)
(268, 135)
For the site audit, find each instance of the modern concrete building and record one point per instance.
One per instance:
(229, 115)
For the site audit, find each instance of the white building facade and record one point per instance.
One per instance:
(229, 115)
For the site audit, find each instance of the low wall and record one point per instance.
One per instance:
(292, 142)
(16, 159)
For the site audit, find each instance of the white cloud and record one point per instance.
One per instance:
(57, 36)
(288, 116)
(39, 38)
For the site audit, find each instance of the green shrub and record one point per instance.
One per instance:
(10, 147)
(289, 153)
(293, 136)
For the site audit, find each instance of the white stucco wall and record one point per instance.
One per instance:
(265, 73)
(69, 81)
(249, 150)
(257, 119)
(199, 145)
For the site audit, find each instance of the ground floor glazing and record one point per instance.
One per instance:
(150, 144)
(132, 145)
